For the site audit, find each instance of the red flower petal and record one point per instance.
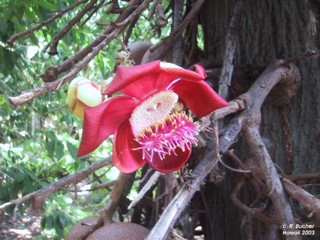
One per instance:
(201, 70)
(143, 80)
(124, 158)
(102, 121)
(171, 162)
(125, 76)
(198, 96)
(179, 72)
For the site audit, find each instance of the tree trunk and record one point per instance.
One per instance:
(266, 31)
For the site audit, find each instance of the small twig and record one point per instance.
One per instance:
(235, 158)
(125, 13)
(313, 21)
(303, 176)
(103, 185)
(234, 169)
(234, 106)
(176, 235)
(227, 68)
(153, 9)
(145, 189)
(301, 57)
(129, 31)
(54, 43)
(168, 41)
(95, 9)
(310, 185)
(42, 24)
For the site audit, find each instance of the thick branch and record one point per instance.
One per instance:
(303, 176)
(73, 178)
(227, 69)
(269, 78)
(182, 198)
(269, 174)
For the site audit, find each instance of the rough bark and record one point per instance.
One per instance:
(268, 30)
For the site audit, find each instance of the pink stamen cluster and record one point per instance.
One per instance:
(163, 137)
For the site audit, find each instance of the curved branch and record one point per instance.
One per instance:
(254, 97)
(273, 75)
(256, 213)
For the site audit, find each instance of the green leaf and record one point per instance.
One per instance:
(50, 222)
(51, 143)
(19, 177)
(59, 150)
(43, 222)
(62, 219)
(47, 5)
(72, 150)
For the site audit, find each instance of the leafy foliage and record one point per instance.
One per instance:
(38, 141)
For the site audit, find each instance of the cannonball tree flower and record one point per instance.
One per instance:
(146, 120)
(83, 93)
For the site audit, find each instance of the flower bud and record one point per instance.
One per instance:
(83, 93)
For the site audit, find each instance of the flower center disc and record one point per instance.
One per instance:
(152, 110)
(162, 138)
